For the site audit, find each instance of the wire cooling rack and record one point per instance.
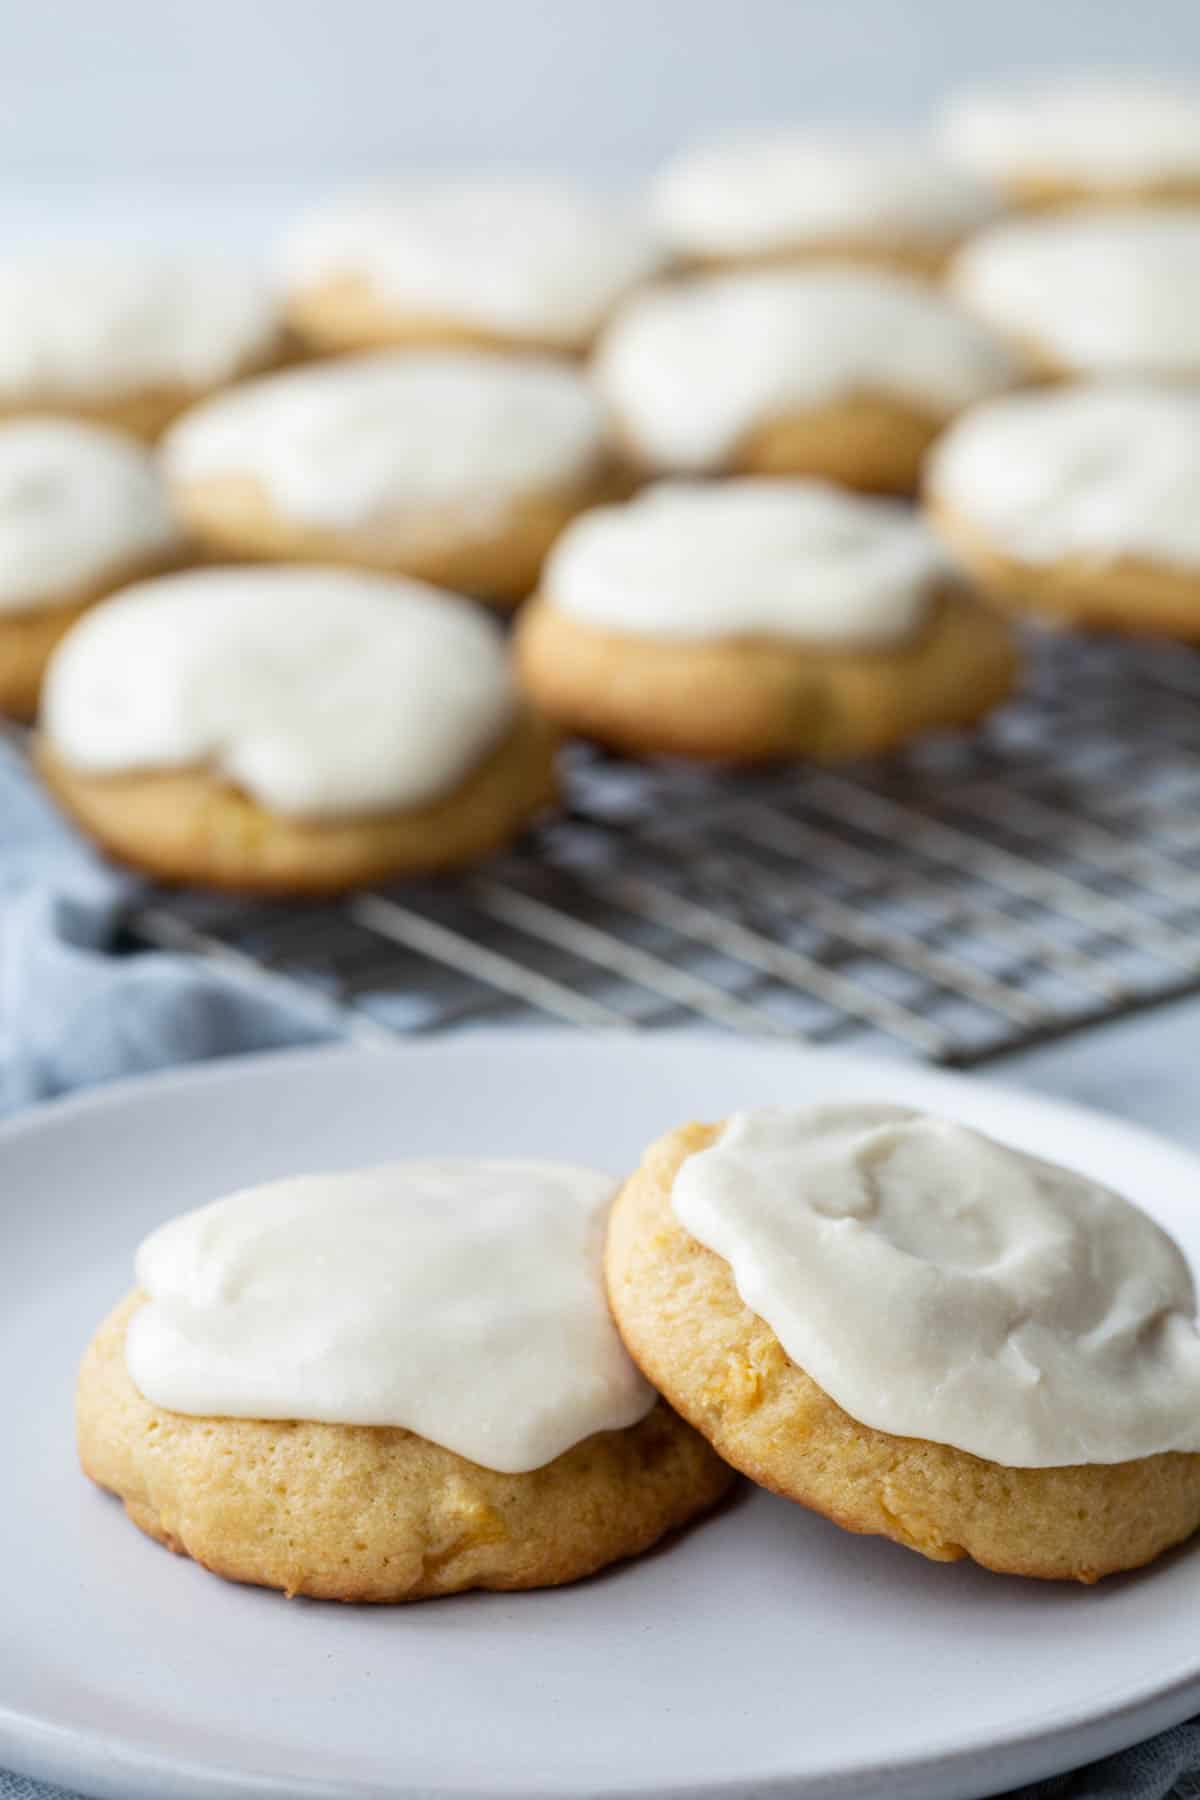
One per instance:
(975, 896)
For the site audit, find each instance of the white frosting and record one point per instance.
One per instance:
(90, 323)
(1106, 292)
(1102, 129)
(1096, 472)
(791, 559)
(769, 191)
(318, 691)
(457, 1299)
(689, 369)
(524, 257)
(344, 442)
(77, 503)
(939, 1285)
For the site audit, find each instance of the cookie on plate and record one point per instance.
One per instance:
(1081, 140)
(1103, 292)
(845, 374)
(388, 1385)
(920, 1333)
(82, 511)
(796, 195)
(126, 338)
(291, 731)
(754, 620)
(499, 263)
(1082, 504)
(456, 467)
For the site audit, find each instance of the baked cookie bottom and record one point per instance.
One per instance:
(762, 699)
(364, 1513)
(347, 312)
(872, 442)
(923, 258)
(722, 1367)
(143, 412)
(234, 517)
(1129, 594)
(192, 826)
(28, 638)
(1054, 193)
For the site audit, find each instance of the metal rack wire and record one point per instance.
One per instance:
(972, 897)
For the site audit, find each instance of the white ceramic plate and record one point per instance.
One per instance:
(764, 1653)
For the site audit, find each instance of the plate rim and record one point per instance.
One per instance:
(48, 1749)
(255, 1063)
(72, 1756)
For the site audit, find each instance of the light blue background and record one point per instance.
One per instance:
(286, 89)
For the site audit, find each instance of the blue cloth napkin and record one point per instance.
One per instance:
(72, 1012)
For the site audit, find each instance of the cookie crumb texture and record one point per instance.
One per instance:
(724, 1370)
(235, 517)
(194, 827)
(762, 699)
(1127, 594)
(372, 1514)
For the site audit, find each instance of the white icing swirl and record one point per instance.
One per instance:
(756, 193)
(789, 559)
(1102, 129)
(1093, 472)
(318, 691)
(689, 369)
(524, 257)
(1102, 292)
(90, 323)
(77, 503)
(939, 1285)
(457, 1299)
(347, 441)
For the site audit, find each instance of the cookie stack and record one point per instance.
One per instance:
(681, 441)
(1081, 501)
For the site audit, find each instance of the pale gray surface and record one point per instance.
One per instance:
(764, 1653)
(289, 87)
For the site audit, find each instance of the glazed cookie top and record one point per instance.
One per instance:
(688, 369)
(790, 559)
(524, 257)
(345, 440)
(318, 691)
(462, 1300)
(1106, 292)
(1090, 471)
(1103, 129)
(757, 193)
(939, 1285)
(93, 323)
(77, 503)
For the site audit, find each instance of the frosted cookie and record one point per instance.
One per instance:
(796, 195)
(82, 511)
(1081, 139)
(753, 620)
(1103, 292)
(920, 1333)
(501, 263)
(126, 338)
(1083, 503)
(837, 373)
(388, 1385)
(458, 467)
(290, 731)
